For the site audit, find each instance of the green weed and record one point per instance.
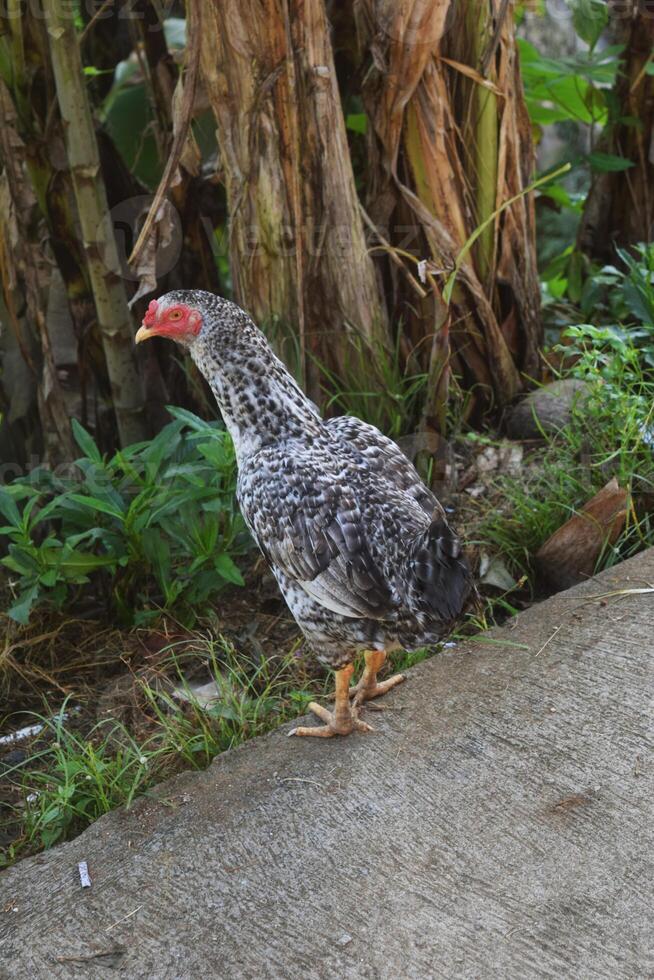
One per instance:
(75, 776)
(251, 699)
(376, 387)
(154, 527)
(77, 779)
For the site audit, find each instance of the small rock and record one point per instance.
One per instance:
(345, 939)
(547, 409)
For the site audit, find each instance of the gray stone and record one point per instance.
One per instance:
(498, 825)
(548, 409)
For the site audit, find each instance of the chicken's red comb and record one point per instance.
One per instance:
(151, 316)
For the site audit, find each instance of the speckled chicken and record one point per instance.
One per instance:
(359, 546)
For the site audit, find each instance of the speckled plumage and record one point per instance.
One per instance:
(359, 546)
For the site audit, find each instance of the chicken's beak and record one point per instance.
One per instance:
(144, 333)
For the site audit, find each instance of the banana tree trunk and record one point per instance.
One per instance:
(450, 145)
(298, 249)
(24, 269)
(619, 209)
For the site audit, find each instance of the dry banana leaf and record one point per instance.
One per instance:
(570, 555)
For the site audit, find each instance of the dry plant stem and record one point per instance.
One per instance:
(450, 140)
(186, 113)
(94, 19)
(161, 70)
(114, 318)
(297, 242)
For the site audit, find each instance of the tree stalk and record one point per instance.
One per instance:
(114, 317)
(298, 248)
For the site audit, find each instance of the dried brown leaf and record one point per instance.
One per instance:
(570, 554)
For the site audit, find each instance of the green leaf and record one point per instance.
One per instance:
(86, 442)
(163, 446)
(228, 569)
(608, 162)
(357, 122)
(575, 276)
(95, 504)
(193, 421)
(92, 72)
(559, 194)
(75, 563)
(558, 265)
(20, 560)
(221, 710)
(157, 551)
(640, 303)
(92, 534)
(9, 509)
(51, 508)
(589, 17)
(20, 611)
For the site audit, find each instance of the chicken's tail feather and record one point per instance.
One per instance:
(440, 572)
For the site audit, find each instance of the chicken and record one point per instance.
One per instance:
(360, 548)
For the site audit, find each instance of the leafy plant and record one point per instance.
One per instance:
(619, 296)
(568, 89)
(622, 297)
(574, 93)
(610, 434)
(155, 526)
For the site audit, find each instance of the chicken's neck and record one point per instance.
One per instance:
(260, 402)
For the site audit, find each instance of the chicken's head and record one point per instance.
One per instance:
(217, 333)
(177, 321)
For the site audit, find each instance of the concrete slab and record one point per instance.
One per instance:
(498, 825)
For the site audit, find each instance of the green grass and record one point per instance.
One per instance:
(77, 772)
(377, 387)
(252, 699)
(75, 780)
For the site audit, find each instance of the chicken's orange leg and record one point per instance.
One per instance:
(368, 686)
(343, 720)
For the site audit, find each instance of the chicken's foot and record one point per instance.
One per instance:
(343, 720)
(369, 687)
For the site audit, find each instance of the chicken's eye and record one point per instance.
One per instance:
(175, 315)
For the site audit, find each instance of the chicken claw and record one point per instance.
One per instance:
(369, 687)
(333, 727)
(343, 720)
